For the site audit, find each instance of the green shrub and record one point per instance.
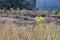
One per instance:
(12, 11)
(54, 12)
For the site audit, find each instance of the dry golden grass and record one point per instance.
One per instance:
(41, 31)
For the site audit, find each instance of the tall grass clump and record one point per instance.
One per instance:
(1, 31)
(40, 31)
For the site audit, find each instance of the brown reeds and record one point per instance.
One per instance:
(41, 31)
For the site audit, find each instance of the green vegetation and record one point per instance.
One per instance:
(22, 4)
(39, 18)
(54, 12)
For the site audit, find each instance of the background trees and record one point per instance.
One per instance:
(22, 4)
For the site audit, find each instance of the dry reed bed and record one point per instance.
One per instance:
(40, 31)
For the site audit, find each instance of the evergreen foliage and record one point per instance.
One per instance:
(22, 4)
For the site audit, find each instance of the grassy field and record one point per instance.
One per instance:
(40, 31)
(25, 30)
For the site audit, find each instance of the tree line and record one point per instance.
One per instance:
(22, 4)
